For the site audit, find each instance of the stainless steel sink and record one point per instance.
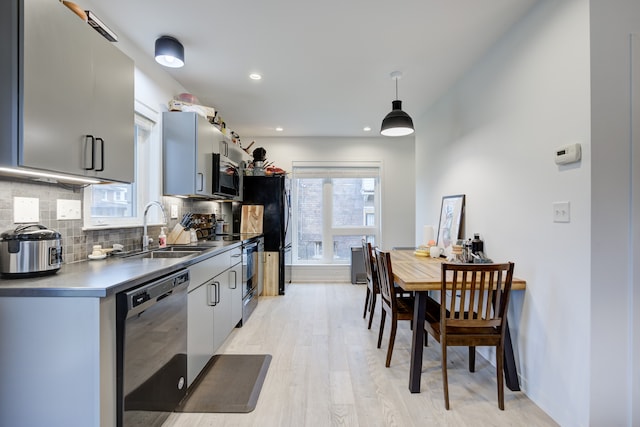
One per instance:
(168, 252)
(182, 249)
(164, 254)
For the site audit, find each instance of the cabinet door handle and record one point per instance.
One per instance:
(235, 278)
(201, 181)
(101, 154)
(217, 293)
(93, 151)
(210, 301)
(213, 296)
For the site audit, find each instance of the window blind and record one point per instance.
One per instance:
(336, 170)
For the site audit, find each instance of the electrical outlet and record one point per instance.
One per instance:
(561, 212)
(68, 209)
(26, 209)
(174, 211)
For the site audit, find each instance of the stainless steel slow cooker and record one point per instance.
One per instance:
(30, 250)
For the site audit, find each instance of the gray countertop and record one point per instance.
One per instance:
(101, 278)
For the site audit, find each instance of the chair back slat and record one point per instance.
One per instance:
(478, 295)
(385, 277)
(366, 250)
(482, 291)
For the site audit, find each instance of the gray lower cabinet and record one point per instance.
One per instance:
(215, 307)
(201, 299)
(75, 114)
(222, 308)
(199, 331)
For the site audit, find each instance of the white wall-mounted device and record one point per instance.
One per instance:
(568, 154)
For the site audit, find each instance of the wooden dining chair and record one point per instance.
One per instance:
(372, 282)
(472, 312)
(398, 307)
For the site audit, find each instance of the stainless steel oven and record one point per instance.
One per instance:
(151, 363)
(251, 275)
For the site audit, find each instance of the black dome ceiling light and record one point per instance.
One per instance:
(397, 122)
(169, 52)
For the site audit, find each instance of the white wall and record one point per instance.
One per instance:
(615, 315)
(154, 87)
(492, 137)
(398, 175)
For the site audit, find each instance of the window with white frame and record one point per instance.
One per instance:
(336, 205)
(117, 205)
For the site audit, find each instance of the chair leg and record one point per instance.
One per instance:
(373, 308)
(366, 303)
(500, 375)
(392, 340)
(472, 359)
(382, 317)
(445, 383)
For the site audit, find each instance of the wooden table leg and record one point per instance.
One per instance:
(510, 372)
(417, 342)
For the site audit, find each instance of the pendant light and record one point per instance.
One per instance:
(397, 122)
(169, 52)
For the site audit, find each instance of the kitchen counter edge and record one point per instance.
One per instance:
(110, 276)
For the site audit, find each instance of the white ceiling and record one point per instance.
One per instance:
(326, 64)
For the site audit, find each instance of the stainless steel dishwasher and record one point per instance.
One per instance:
(151, 331)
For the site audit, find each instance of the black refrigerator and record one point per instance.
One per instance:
(273, 193)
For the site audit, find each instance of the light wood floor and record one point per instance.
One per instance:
(327, 371)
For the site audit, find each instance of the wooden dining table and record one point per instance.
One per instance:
(421, 274)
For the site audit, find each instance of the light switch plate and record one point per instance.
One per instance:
(26, 209)
(561, 212)
(174, 211)
(68, 209)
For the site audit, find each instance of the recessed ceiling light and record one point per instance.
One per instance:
(255, 76)
(279, 129)
(366, 129)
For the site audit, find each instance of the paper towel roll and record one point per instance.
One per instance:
(427, 234)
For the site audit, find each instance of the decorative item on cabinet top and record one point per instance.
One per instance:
(260, 166)
(76, 9)
(179, 104)
(187, 102)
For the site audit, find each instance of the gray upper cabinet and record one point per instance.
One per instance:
(188, 145)
(75, 95)
(231, 151)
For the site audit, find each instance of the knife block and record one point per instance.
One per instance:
(179, 236)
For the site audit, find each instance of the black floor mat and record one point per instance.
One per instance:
(229, 383)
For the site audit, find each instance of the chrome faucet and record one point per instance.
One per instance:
(145, 237)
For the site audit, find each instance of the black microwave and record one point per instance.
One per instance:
(226, 177)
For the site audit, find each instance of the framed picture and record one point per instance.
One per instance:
(451, 220)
